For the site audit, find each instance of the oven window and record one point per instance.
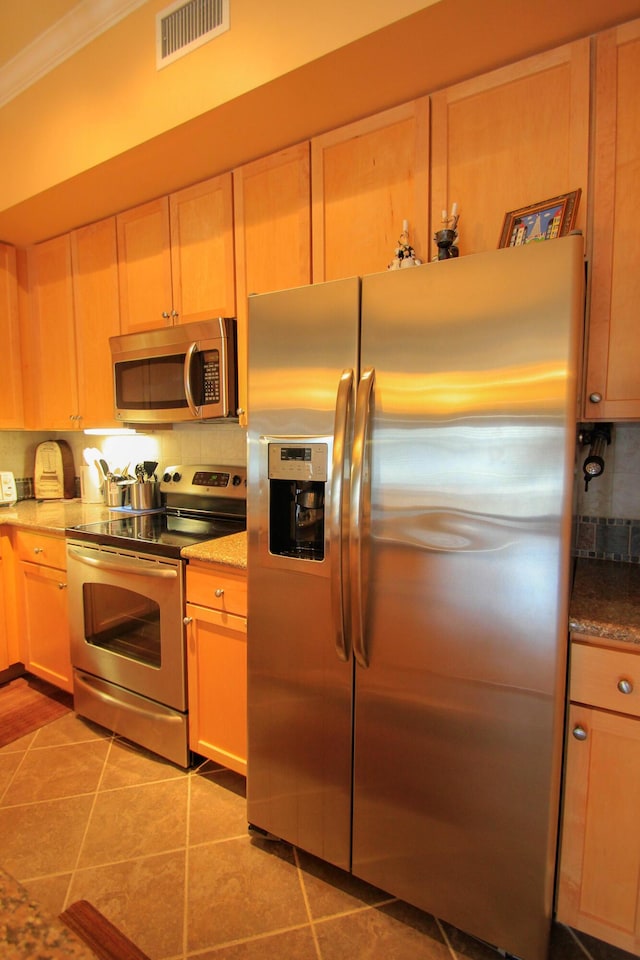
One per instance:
(122, 621)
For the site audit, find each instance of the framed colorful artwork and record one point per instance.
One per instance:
(540, 221)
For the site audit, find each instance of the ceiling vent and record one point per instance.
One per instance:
(182, 27)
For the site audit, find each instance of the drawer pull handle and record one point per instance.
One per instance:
(579, 733)
(219, 592)
(625, 686)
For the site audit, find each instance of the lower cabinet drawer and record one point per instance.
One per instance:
(605, 678)
(40, 548)
(220, 588)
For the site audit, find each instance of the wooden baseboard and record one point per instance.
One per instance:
(106, 941)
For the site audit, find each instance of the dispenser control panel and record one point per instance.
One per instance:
(298, 461)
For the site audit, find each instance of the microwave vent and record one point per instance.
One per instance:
(182, 27)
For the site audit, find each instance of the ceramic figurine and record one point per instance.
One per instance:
(405, 255)
(446, 237)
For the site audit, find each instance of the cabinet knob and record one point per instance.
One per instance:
(625, 686)
(165, 315)
(174, 313)
(187, 621)
(37, 550)
(62, 586)
(219, 592)
(595, 397)
(579, 733)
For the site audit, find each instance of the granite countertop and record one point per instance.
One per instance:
(27, 932)
(605, 602)
(54, 516)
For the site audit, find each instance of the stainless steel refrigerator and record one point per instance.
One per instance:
(410, 468)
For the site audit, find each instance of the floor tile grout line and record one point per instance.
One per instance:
(14, 775)
(443, 932)
(185, 893)
(578, 942)
(75, 869)
(314, 935)
(254, 938)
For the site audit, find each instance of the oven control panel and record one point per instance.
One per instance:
(205, 479)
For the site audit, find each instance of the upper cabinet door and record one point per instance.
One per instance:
(50, 336)
(97, 317)
(612, 388)
(202, 258)
(366, 179)
(508, 139)
(11, 410)
(144, 267)
(272, 213)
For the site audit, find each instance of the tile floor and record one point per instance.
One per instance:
(165, 855)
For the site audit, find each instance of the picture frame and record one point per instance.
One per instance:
(540, 221)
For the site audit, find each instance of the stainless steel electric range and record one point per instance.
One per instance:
(126, 604)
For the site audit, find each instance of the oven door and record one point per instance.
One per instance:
(126, 620)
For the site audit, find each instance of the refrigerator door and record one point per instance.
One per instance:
(303, 350)
(459, 712)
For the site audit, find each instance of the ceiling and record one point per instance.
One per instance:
(436, 47)
(22, 22)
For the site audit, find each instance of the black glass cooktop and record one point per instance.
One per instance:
(159, 533)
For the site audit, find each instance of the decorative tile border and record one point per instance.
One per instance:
(607, 538)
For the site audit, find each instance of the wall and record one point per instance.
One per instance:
(223, 444)
(608, 514)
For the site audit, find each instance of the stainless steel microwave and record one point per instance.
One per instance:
(180, 373)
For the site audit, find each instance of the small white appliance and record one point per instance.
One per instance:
(8, 495)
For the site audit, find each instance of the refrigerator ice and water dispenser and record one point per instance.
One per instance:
(297, 478)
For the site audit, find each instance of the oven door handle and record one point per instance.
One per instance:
(156, 712)
(143, 567)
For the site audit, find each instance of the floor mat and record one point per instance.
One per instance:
(28, 703)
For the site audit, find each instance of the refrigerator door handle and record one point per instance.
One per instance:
(339, 583)
(359, 498)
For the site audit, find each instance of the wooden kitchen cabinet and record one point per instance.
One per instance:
(94, 265)
(217, 663)
(42, 604)
(49, 337)
(11, 409)
(176, 257)
(366, 178)
(4, 634)
(510, 138)
(71, 310)
(612, 380)
(272, 218)
(9, 633)
(599, 876)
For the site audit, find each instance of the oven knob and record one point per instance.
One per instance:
(236, 480)
(166, 477)
(177, 477)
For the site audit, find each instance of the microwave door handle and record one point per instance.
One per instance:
(188, 357)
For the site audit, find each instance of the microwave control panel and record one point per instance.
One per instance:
(298, 461)
(211, 376)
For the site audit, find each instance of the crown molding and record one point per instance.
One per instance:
(76, 29)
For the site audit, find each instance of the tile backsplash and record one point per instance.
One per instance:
(607, 516)
(220, 443)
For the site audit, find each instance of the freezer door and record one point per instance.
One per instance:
(303, 348)
(459, 708)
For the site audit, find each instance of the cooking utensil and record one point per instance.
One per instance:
(139, 472)
(150, 467)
